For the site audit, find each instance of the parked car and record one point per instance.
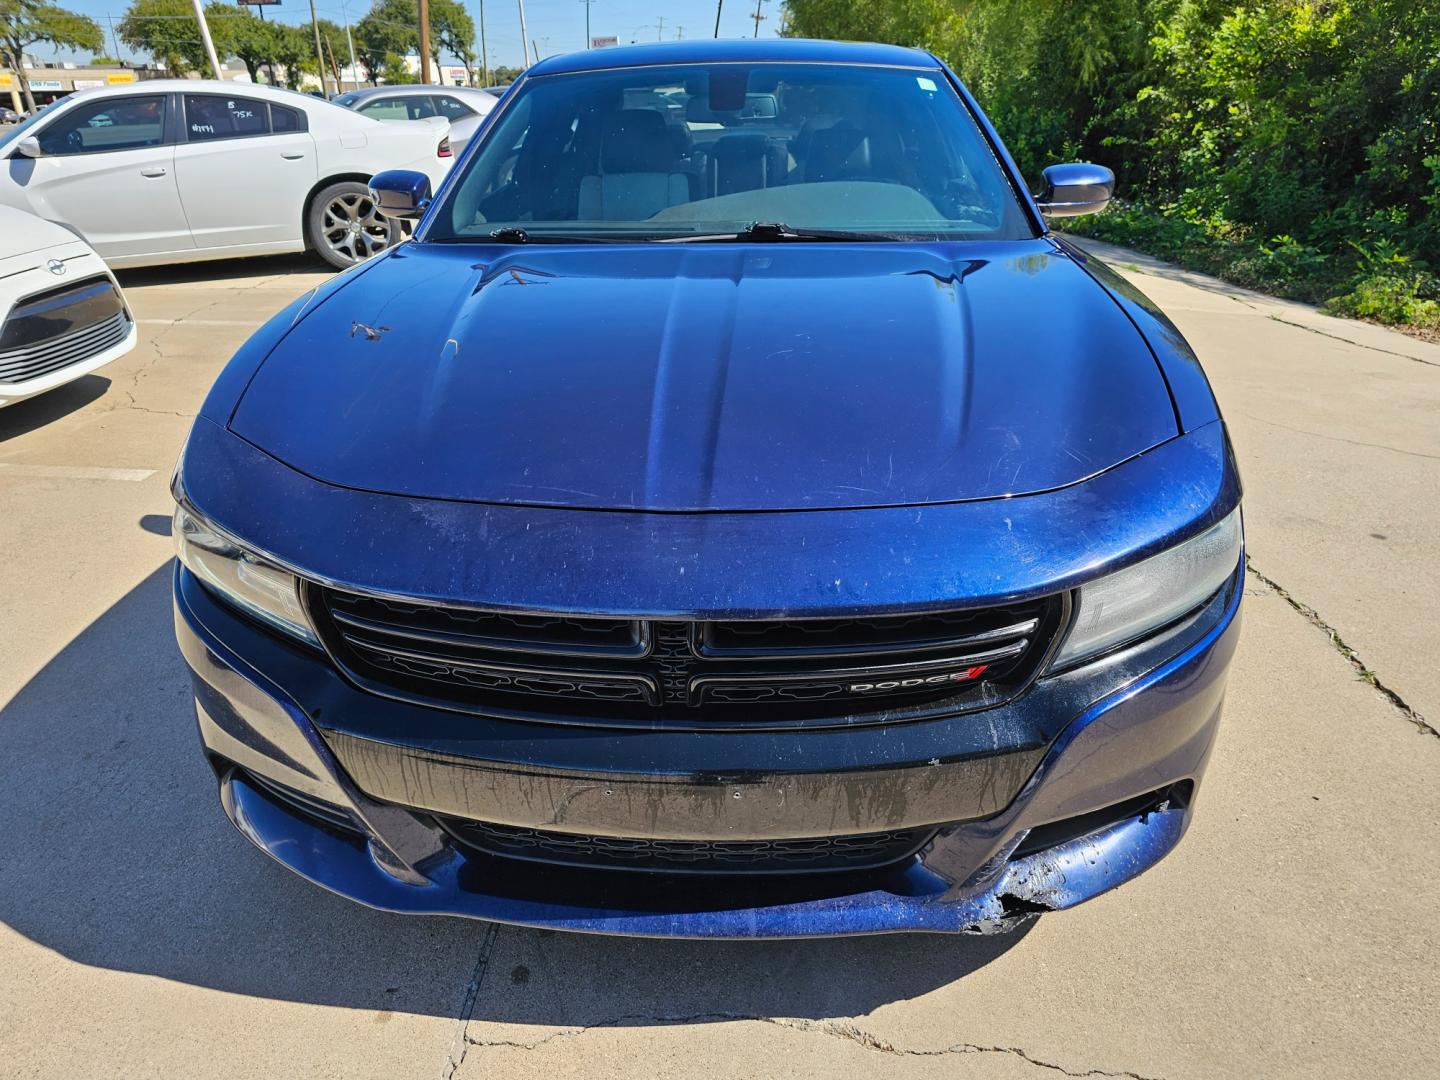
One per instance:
(463, 107)
(717, 521)
(176, 171)
(62, 314)
(8, 115)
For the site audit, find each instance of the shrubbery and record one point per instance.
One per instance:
(1290, 145)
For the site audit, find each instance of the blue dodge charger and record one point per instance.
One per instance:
(734, 513)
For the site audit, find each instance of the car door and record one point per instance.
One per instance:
(244, 167)
(107, 169)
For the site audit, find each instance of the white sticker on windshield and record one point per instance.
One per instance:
(926, 84)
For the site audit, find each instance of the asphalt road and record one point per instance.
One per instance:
(1292, 934)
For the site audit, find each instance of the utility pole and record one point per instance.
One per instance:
(524, 36)
(679, 33)
(424, 41)
(660, 29)
(350, 40)
(269, 64)
(719, 7)
(587, 4)
(210, 45)
(114, 41)
(319, 53)
(334, 67)
(484, 53)
(758, 17)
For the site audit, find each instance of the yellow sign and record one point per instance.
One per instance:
(6, 79)
(115, 78)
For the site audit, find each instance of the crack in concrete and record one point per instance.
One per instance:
(1341, 439)
(461, 1041)
(1357, 344)
(830, 1028)
(1344, 649)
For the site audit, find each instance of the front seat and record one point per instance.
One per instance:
(745, 163)
(638, 173)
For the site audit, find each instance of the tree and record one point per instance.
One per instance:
(254, 42)
(385, 35)
(391, 28)
(453, 31)
(295, 53)
(29, 22)
(369, 50)
(166, 29)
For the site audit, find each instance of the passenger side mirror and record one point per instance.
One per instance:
(400, 193)
(29, 147)
(1075, 188)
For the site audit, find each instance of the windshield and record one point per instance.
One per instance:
(706, 150)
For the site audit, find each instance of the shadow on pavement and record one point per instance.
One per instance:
(114, 853)
(222, 270)
(159, 524)
(25, 416)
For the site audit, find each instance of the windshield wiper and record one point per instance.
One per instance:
(779, 232)
(513, 234)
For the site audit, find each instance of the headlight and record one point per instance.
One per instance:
(242, 577)
(1133, 602)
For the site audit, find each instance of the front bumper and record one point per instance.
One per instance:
(303, 778)
(22, 277)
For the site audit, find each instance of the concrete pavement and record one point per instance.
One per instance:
(1290, 935)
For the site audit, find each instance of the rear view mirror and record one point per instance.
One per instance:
(29, 147)
(1075, 188)
(399, 193)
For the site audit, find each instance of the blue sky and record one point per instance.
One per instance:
(555, 25)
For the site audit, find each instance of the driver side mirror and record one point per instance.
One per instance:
(1075, 188)
(400, 193)
(29, 147)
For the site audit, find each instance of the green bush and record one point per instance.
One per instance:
(1284, 144)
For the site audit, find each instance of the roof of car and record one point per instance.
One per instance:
(193, 86)
(409, 88)
(742, 50)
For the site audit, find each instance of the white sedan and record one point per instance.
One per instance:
(464, 107)
(62, 314)
(170, 171)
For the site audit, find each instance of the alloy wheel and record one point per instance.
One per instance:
(353, 228)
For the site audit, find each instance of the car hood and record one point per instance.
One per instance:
(21, 233)
(708, 377)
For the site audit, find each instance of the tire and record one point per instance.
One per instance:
(343, 227)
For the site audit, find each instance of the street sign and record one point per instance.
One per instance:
(604, 42)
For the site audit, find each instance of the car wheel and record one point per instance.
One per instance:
(345, 227)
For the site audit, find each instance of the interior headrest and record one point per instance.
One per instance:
(636, 140)
(837, 153)
(740, 147)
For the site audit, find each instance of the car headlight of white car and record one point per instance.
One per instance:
(246, 579)
(1131, 603)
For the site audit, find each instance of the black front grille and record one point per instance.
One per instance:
(583, 669)
(787, 856)
(56, 329)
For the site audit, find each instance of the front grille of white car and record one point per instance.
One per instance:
(42, 357)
